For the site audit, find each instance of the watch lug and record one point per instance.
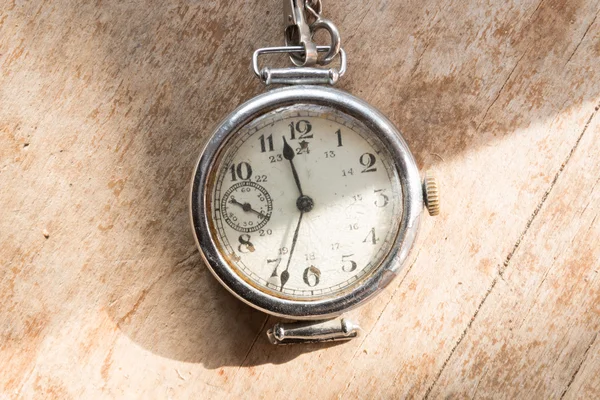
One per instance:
(313, 332)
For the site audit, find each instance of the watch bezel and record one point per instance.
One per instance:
(404, 163)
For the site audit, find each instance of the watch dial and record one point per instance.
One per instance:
(305, 202)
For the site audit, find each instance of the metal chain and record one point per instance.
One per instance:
(314, 7)
(303, 19)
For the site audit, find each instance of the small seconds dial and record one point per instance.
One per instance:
(306, 202)
(246, 206)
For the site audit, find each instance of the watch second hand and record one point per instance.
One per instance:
(285, 275)
(247, 207)
(288, 154)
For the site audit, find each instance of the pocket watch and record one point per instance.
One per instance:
(306, 200)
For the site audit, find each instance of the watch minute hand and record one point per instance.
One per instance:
(285, 275)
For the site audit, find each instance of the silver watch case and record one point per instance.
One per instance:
(410, 183)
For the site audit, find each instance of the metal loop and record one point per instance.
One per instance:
(335, 44)
(300, 75)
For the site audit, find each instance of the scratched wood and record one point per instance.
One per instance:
(104, 108)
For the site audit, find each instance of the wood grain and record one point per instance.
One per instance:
(105, 107)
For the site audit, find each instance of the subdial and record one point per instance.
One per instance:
(246, 206)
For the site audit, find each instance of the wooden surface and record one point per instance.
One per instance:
(105, 106)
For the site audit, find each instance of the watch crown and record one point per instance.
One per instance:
(431, 193)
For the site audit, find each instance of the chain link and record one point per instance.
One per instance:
(314, 8)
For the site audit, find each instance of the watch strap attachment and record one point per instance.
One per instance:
(298, 75)
(314, 331)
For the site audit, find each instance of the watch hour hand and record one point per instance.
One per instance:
(288, 154)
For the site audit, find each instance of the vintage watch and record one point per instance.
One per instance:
(306, 201)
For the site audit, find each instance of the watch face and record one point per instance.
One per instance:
(304, 202)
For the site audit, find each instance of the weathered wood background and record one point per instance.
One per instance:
(105, 106)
